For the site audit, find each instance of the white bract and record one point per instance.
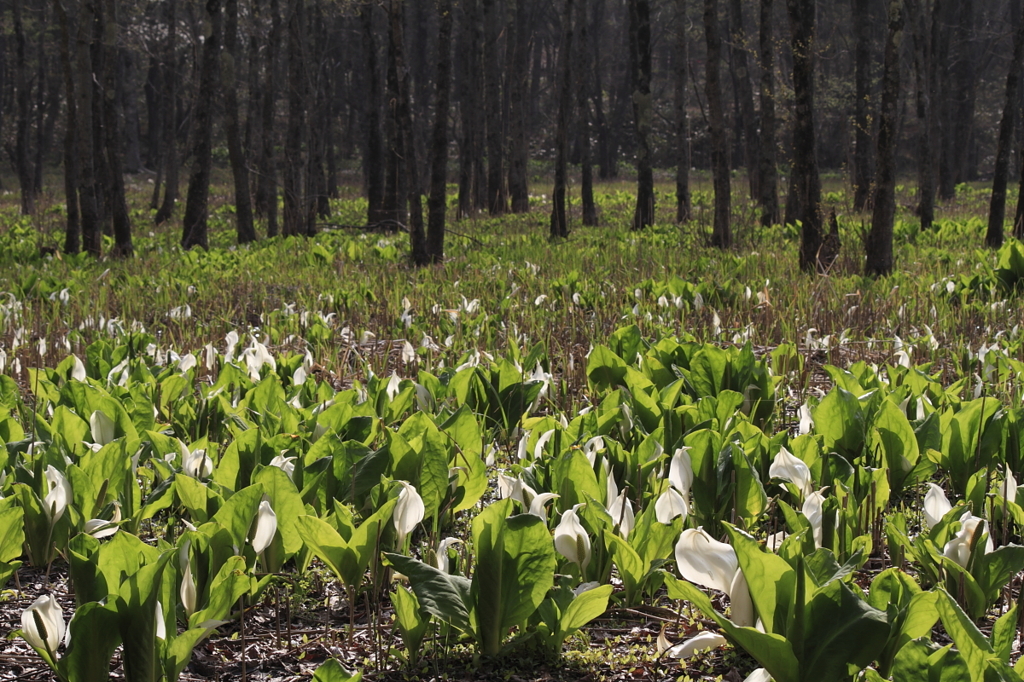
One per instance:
(266, 527)
(187, 591)
(42, 624)
(101, 528)
(699, 642)
(409, 511)
(621, 511)
(712, 564)
(571, 540)
(442, 553)
(59, 495)
(285, 464)
(538, 502)
(195, 463)
(669, 505)
(936, 505)
(680, 471)
(959, 548)
(102, 428)
(789, 467)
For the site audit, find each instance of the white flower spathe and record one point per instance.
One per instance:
(42, 624)
(959, 548)
(56, 501)
(409, 511)
(621, 511)
(712, 564)
(699, 642)
(195, 463)
(789, 467)
(102, 428)
(285, 464)
(266, 527)
(680, 471)
(571, 539)
(671, 504)
(936, 505)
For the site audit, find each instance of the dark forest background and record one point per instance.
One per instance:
(297, 97)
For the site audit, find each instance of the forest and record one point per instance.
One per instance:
(512, 340)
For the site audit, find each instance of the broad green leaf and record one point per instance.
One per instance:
(411, 620)
(972, 644)
(605, 369)
(442, 594)
(584, 608)
(332, 671)
(771, 580)
(94, 637)
(842, 631)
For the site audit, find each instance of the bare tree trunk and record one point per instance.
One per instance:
(169, 97)
(472, 174)
(374, 147)
(20, 153)
(519, 143)
(965, 91)
(395, 193)
(805, 184)
(643, 109)
(438, 202)
(112, 127)
(194, 225)
(744, 95)
(88, 194)
(294, 218)
(497, 197)
(997, 208)
(924, 85)
(403, 116)
(768, 171)
(682, 57)
(582, 71)
(266, 185)
(720, 235)
(73, 226)
(862, 104)
(878, 246)
(239, 170)
(559, 218)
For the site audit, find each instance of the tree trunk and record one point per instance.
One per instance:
(266, 185)
(24, 107)
(438, 202)
(924, 85)
(682, 57)
(640, 61)
(374, 147)
(497, 198)
(112, 127)
(403, 117)
(559, 217)
(519, 143)
(194, 225)
(965, 92)
(127, 97)
(472, 174)
(943, 47)
(997, 208)
(73, 226)
(747, 125)
(862, 104)
(878, 246)
(805, 184)
(768, 172)
(239, 169)
(169, 96)
(294, 218)
(88, 195)
(582, 72)
(720, 235)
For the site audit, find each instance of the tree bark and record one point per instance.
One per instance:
(194, 223)
(294, 217)
(582, 70)
(497, 197)
(682, 57)
(519, 143)
(862, 104)
(924, 98)
(878, 245)
(437, 204)
(640, 61)
(769, 199)
(748, 123)
(559, 217)
(403, 117)
(720, 235)
(88, 194)
(997, 207)
(965, 92)
(805, 183)
(169, 103)
(244, 228)
(113, 134)
(24, 108)
(266, 185)
(472, 173)
(73, 226)
(374, 144)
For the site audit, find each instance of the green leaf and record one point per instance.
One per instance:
(584, 608)
(411, 620)
(605, 369)
(842, 631)
(893, 434)
(332, 671)
(771, 580)
(973, 645)
(136, 609)
(94, 637)
(238, 512)
(441, 594)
